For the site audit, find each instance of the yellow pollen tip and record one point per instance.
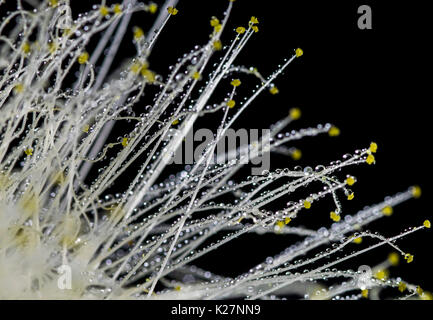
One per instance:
(236, 83)
(408, 257)
(138, 33)
(373, 147)
(152, 8)
(124, 142)
(401, 286)
(28, 151)
(334, 131)
(175, 122)
(280, 224)
(334, 216)
(274, 90)
(299, 52)
(217, 45)
(86, 128)
(295, 113)
(117, 9)
(214, 22)
(103, 10)
(370, 159)
(307, 204)
(83, 58)
(350, 181)
(173, 11)
(364, 293)
(254, 20)
(231, 103)
(196, 75)
(416, 192)
(350, 196)
(387, 211)
(382, 274)
(296, 154)
(26, 48)
(240, 30)
(394, 259)
(427, 224)
(357, 240)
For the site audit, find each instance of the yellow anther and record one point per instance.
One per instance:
(86, 128)
(52, 47)
(334, 216)
(135, 68)
(124, 142)
(236, 83)
(382, 274)
(255, 28)
(296, 154)
(416, 192)
(175, 122)
(427, 224)
(26, 48)
(299, 52)
(350, 180)
(394, 259)
(103, 10)
(231, 103)
(117, 9)
(357, 240)
(217, 28)
(287, 220)
(307, 204)
(177, 288)
(66, 32)
(83, 58)
(387, 211)
(373, 147)
(333, 131)
(402, 286)
(350, 196)
(426, 296)
(152, 8)
(280, 224)
(295, 113)
(273, 90)
(254, 20)
(214, 22)
(370, 159)
(196, 75)
(419, 290)
(240, 30)
(408, 257)
(173, 11)
(217, 45)
(28, 151)
(138, 33)
(19, 88)
(53, 3)
(149, 75)
(364, 293)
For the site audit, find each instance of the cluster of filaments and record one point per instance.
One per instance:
(57, 111)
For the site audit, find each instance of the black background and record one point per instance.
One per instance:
(372, 84)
